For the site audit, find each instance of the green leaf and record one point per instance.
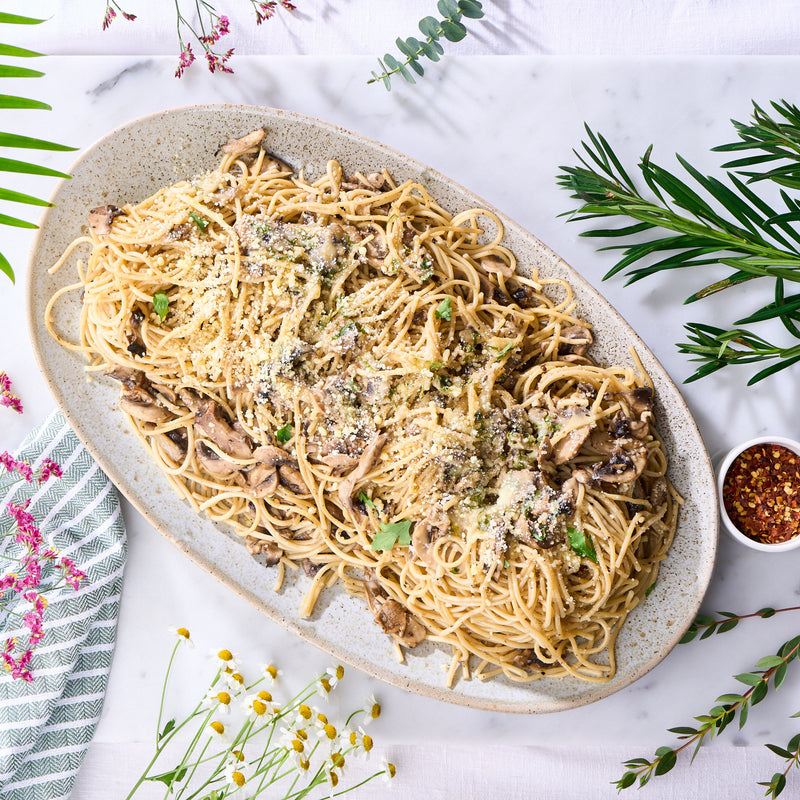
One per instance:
(161, 304)
(627, 780)
(13, 140)
(728, 625)
(10, 165)
(444, 310)
(453, 31)
(779, 751)
(683, 731)
(7, 71)
(759, 692)
(284, 434)
(429, 26)
(343, 330)
(581, 543)
(5, 268)
(744, 712)
(769, 661)
(16, 223)
(666, 762)
(748, 678)
(199, 221)
(173, 776)
(405, 48)
(10, 101)
(505, 351)
(168, 728)
(649, 589)
(18, 52)
(430, 51)
(16, 197)
(366, 501)
(15, 19)
(391, 533)
(730, 698)
(417, 67)
(471, 9)
(689, 635)
(447, 8)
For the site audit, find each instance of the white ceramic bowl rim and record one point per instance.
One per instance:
(725, 465)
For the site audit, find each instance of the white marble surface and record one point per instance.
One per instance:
(501, 126)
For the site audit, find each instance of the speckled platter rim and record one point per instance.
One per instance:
(133, 161)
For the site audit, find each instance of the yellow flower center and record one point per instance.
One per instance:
(338, 760)
(265, 696)
(238, 755)
(367, 742)
(391, 769)
(272, 672)
(259, 707)
(322, 718)
(298, 745)
(236, 676)
(330, 731)
(301, 734)
(224, 698)
(353, 737)
(225, 655)
(376, 710)
(182, 632)
(334, 778)
(304, 765)
(217, 727)
(238, 778)
(326, 685)
(304, 711)
(339, 672)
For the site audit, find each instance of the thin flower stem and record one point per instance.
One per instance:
(164, 692)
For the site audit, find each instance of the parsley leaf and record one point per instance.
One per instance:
(444, 310)
(161, 304)
(649, 589)
(343, 330)
(510, 346)
(581, 543)
(284, 434)
(366, 501)
(199, 221)
(391, 533)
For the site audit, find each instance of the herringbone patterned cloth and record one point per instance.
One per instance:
(46, 725)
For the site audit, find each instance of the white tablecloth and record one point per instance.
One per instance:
(526, 109)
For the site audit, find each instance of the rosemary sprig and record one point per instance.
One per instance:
(450, 27)
(706, 221)
(770, 668)
(16, 141)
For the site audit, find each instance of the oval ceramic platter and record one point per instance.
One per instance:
(134, 161)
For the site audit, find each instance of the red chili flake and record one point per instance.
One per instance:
(761, 493)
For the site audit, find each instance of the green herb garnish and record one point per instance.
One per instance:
(649, 589)
(581, 543)
(366, 501)
(199, 221)
(505, 351)
(444, 310)
(161, 304)
(391, 533)
(343, 330)
(284, 434)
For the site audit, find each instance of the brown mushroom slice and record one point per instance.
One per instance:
(639, 401)
(130, 378)
(398, 622)
(525, 531)
(528, 659)
(568, 446)
(261, 480)
(261, 547)
(339, 461)
(575, 340)
(433, 527)
(624, 466)
(213, 463)
(141, 405)
(191, 400)
(100, 218)
(377, 247)
(367, 461)
(583, 361)
(210, 420)
(236, 147)
(623, 427)
(659, 492)
(496, 266)
(292, 479)
(273, 164)
(172, 444)
(136, 344)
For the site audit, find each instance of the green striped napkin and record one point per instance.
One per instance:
(46, 725)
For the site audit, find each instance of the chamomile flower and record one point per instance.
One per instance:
(219, 701)
(234, 777)
(182, 635)
(389, 771)
(217, 730)
(271, 672)
(234, 680)
(225, 660)
(372, 709)
(325, 687)
(334, 675)
(258, 705)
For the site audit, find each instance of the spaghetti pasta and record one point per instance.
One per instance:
(365, 386)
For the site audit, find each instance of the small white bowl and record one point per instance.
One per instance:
(724, 466)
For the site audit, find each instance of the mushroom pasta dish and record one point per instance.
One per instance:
(366, 388)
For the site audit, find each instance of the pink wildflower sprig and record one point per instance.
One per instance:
(7, 398)
(23, 588)
(266, 10)
(111, 13)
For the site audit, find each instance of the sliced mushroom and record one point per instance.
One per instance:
(368, 459)
(210, 420)
(524, 296)
(309, 567)
(496, 266)
(377, 247)
(391, 615)
(624, 465)
(261, 547)
(567, 447)
(527, 659)
(172, 444)
(575, 340)
(100, 218)
(659, 492)
(139, 403)
(433, 527)
(213, 463)
(236, 147)
(130, 378)
(492, 293)
(623, 427)
(339, 461)
(191, 400)
(527, 531)
(136, 344)
(292, 479)
(261, 480)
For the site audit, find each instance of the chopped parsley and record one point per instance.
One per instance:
(581, 543)
(505, 351)
(435, 366)
(391, 533)
(649, 589)
(366, 501)
(343, 330)
(284, 434)
(161, 304)
(199, 221)
(444, 310)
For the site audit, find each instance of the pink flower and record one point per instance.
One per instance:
(217, 62)
(186, 60)
(5, 382)
(223, 26)
(11, 401)
(72, 575)
(107, 19)
(49, 469)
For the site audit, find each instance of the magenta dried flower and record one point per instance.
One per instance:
(111, 12)
(7, 398)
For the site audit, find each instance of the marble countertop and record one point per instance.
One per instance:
(500, 125)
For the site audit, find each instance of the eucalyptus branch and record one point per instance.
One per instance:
(450, 27)
(729, 621)
(706, 221)
(25, 142)
(769, 668)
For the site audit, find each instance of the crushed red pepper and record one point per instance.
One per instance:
(761, 493)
